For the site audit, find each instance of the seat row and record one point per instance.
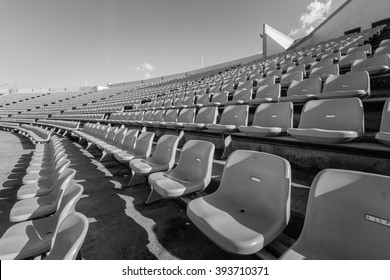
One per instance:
(46, 222)
(36, 134)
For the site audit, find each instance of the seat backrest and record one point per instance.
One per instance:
(221, 97)
(186, 115)
(275, 73)
(139, 115)
(269, 80)
(243, 94)
(165, 151)
(259, 183)
(274, 115)
(177, 102)
(69, 238)
(207, 115)
(111, 133)
(119, 135)
(188, 100)
(365, 48)
(300, 67)
(322, 63)
(351, 81)
(363, 64)
(235, 115)
(382, 50)
(307, 86)
(195, 162)
(347, 216)
(384, 43)
(203, 99)
(143, 145)
(129, 140)
(292, 76)
(158, 116)
(318, 72)
(171, 115)
(270, 91)
(148, 115)
(334, 114)
(385, 122)
(351, 57)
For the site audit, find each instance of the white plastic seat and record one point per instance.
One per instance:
(250, 208)
(374, 66)
(186, 115)
(346, 218)
(353, 84)
(270, 119)
(162, 159)
(347, 60)
(169, 117)
(32, 238)
(266, 93)
(35, 207)
(291, 77)
(303, 91)
(69, 237)
(127, 143)
(384, 132)
(142, 149)
(324, 72)
(192, 173)
(232, 117)
(330, 121)
(206, 115)
(240, 96)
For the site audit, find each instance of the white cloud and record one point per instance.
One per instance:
(146, 68)
(316, 13)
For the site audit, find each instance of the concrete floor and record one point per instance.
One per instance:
(121, 225)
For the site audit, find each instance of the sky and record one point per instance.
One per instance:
(69, 43)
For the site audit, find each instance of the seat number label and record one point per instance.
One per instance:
(377, 220)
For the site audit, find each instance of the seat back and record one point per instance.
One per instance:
(171, 115)
(274, 115)
(257, 183)
(348, 59)
(269, 80)
(129, 140)
(143, 145)
(307, 86)
(221, 97)
(385, 122)
(165, 151)
(207, 115)
(158, 116)
(369, 63)
(109, 137)
(334, 114)
(235, 115)
(195, 162)
(290, 77)
(203, 99)
(347, 217)
(269, 91)
(188, 100)
(69, 238)
(352, 81)
(139, 115)
(243, 94)
(147, 116)
(382, 50)
(186, 115)
(319, 72)
(119, 136)
(365, 48)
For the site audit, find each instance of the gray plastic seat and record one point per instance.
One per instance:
(36, 207)
(250, 208)
(69, 237)
(303, 91)
(206, 115)
(270, 119)
(186, 115)
(240, 96)
(266, 93)
(355, 84)
(374, 65)
(192, 173)
(163, 159)
(346, 218)
(324, 72)
(218, 99)
(127, 143)
(169, 117)
(382, 50)
(142, 149)
(330, 121)
(347, 60)
(384, 132)
(32, 238)
(232, 117)
(291, 77)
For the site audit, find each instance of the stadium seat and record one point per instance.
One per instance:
(355, 84)
(36, 207)
(192, 173)
(162, 159)
(218, 99)
(32, 238)
(324, 72)
(291, 77)
(232, 117)
(127, 143)
(206, 115)
(69, 238)
(330, 121)
(142, 149)
(240, 96)
(169, 117)
(374, 65)
(270, 119)
(384, 133)
(186, 115)
(347, 60)
(345, 218)
(382, 50)
(303, 91)
(266, 93)
(250, 208)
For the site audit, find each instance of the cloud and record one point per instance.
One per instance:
(146, 68)
(316, 13)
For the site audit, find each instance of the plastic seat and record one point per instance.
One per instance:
(269, 80)
(347, 60)
(303, 91)
(169, 117)
(291, 77)
(270, 119)
(201, 101)
(355, 84)
(32, 238)
(374, 65)
(69, 237)
(162, 159)
(127, 143)
(206, 115)
(232, 117)
(240, 96)
(324, 72)
(185, 116)
(218, 99)
(142, 149)
(330, 121)
(192, 173)
(384, 132)
(266, 93)
(250, 208)
(346, 218)
(382, 50)
(35, 207)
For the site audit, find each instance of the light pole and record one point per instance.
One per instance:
(201, 59)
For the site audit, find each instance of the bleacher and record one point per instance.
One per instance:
(262, 148)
